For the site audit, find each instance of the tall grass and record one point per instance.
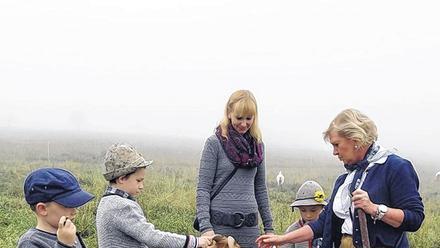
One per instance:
(168, 200)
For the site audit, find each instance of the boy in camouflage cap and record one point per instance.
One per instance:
(119, 219)
(121, 160)
(310, 202)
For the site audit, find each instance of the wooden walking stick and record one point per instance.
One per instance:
(363, 222)
(364, 228)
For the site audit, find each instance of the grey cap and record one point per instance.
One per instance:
(310, 193)
(122, 159)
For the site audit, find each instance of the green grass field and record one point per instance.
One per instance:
(169, 195)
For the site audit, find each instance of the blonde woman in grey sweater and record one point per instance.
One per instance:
(120, 221)
(237, 143)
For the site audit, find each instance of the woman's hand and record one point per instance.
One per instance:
(209, 233)
(361, 200)
(269, 240)
(204, 241)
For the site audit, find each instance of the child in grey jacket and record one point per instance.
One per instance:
(120, 221)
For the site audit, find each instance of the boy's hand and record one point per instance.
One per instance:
(66, 232)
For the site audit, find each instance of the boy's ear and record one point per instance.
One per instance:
(41, 208)
(121, 179)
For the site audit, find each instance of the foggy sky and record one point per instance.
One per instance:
(168, 67)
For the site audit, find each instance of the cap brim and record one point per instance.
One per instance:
(147, 163)
(307, 202)
(144, 163)
(75, 200)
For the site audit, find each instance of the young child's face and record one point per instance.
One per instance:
(54, 211)
(309, 213)
(134, 183)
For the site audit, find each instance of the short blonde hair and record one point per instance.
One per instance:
(243, 103)
(353, 125)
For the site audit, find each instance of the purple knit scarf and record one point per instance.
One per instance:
(242, 150)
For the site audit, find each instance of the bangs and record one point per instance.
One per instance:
(245, 107)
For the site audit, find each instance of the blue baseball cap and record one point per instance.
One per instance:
(54, 184)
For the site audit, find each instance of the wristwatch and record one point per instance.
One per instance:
(380, 212)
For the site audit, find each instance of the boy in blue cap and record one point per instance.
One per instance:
(53, 194)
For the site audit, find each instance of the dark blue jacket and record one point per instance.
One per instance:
(393, 183)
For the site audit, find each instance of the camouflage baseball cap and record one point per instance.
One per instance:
(310, 193)
(122, 159)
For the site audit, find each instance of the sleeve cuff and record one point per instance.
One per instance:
(64, 245)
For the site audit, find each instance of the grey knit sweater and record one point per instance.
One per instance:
(246, 192)
(120, 222)
(35, 238)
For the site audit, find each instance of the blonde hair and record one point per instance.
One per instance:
(353, 125)
(243, 103)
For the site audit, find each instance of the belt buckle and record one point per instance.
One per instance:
(240, 217)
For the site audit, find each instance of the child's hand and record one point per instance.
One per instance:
(66, 232)
(269, 240)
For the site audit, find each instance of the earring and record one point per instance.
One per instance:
(356, 147)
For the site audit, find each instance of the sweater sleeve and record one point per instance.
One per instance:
(130, 219)
(262, 197)
(208, 163)
(404, 186)
(319, 224)
(37, 244)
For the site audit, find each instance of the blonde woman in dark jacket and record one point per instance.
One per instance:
(379, 187)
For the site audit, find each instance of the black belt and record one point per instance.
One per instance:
(236, 220)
